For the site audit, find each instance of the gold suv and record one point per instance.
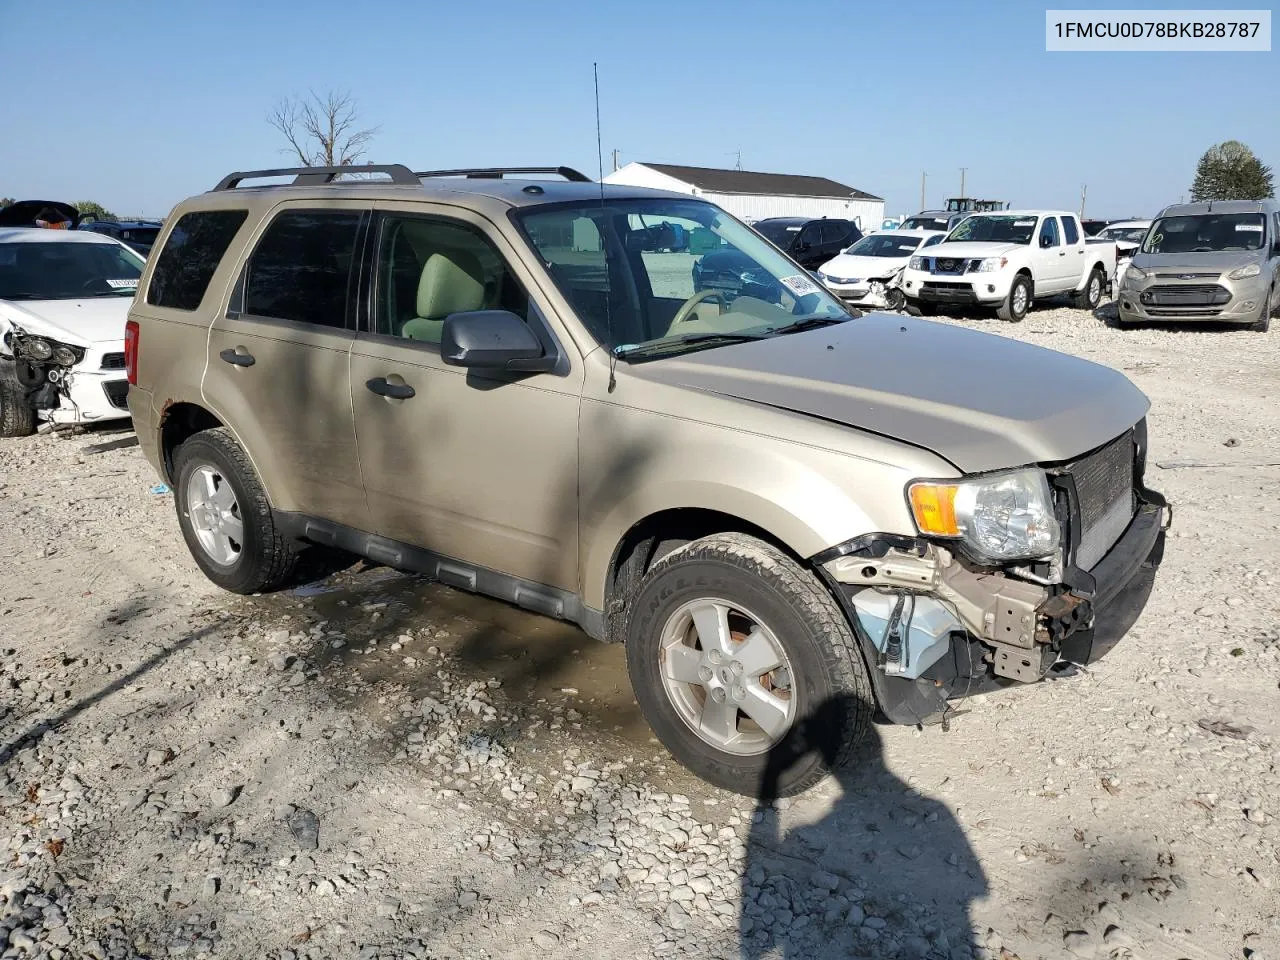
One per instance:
(624, 408)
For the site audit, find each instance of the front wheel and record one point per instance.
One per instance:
(17, 416)
(1091, 295)
(731, 647)
(894, 299)
(1018, 302)
(1263, 323)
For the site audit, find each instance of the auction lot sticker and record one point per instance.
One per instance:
(1157, 30)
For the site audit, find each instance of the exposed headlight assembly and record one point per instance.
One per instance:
(37, 348)
(64, 355)
(999, 518)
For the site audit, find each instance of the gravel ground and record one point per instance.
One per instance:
(377, 766)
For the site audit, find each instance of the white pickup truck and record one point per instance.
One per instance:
(1008, 259)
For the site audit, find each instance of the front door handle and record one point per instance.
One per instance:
(239, 359)
(396, 391)
(1063, 253)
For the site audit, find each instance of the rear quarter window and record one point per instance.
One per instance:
(190, 256)
(1069, 228)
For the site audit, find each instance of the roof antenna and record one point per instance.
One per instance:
(608, 310)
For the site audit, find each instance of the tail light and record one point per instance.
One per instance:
(131, 350)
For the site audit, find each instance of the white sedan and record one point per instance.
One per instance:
(64, 298)
(866, 274)
(1128, 235)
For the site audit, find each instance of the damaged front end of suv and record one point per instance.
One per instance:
(1015, 575)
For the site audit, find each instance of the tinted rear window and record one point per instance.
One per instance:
(190, 256)
(301, 267)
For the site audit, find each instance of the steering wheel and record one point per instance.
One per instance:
(687, 308)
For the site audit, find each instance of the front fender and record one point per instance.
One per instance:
(807, 499)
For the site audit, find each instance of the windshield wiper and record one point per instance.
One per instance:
(691, 339)
(807, 323)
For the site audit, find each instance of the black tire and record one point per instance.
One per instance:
(827, 665)
(17, 416)
(894, 299)
(265, 560)
(1010, 310)
(1263, 323)
(922, 308)
(1091, 295)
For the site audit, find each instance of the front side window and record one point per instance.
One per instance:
(190, 256)
(995, 228)
(611, 261)
(1049, 232)
(301, 267)
(429, 269)
(63, 270)
(1206, 233)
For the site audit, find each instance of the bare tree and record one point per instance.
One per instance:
(322, 131)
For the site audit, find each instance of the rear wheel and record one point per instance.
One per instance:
(226, 518)
(1018, 302)
(17, 416)
(1091, 295)
(732, 647)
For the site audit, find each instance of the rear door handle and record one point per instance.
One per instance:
(238, 358)
(396, 391)
(1063, 253)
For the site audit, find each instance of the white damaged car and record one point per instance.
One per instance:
(867, 273)
(64, 298)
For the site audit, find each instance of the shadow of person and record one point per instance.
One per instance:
(865, 867)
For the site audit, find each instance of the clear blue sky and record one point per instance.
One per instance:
(139, 104)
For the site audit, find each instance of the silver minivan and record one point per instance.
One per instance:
(1215, 260)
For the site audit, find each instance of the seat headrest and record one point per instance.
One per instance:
(451, 282)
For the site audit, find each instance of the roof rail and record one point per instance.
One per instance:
(497, 173)
(307, 176)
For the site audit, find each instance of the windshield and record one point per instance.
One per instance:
(884, 245)
(1206, 233)
(780, 234)
(991, 228)
(1128, 234)
(671, 274)
(925, 223)
(67, 271)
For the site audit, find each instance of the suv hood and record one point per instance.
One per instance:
(981, 401)
(969, 248)
(77, 322)
(1198, 262)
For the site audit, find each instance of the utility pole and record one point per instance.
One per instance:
(923, 177)
(615, 159)
(963, 170)
(739, 166)
(1084, 190)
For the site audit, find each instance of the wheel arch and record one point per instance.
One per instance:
(625, 544)
(179, 422)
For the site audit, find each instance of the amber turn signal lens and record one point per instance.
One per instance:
(934, 506)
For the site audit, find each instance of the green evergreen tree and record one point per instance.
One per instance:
(1231, 171)
(89, 208)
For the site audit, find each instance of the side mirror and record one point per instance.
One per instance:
(491, 340)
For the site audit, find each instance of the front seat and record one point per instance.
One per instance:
(451, 282)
